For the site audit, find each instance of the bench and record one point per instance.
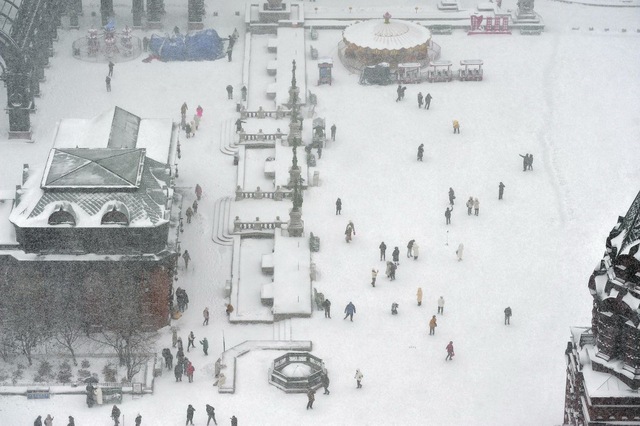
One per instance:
(272, 45)
(272, 67)
(38, 393)
(267, 263)
(270, 169)
(272, 88)
(266, 294)
(441, 29)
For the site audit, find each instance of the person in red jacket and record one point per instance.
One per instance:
(450, 352)
(190, 370)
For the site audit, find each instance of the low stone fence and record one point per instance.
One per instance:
(260, 136)
(279, 194)
(260, 113)
(256, 225)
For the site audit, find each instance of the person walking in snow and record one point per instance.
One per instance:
(190, 411)
(392, 270)
(383, 251)
(205, 345)
(177, 371)
(402, 92)
(234, 421)
(410, 248)
(183, 114)
(138, 420)
(452, 196)
(174, 336)
(420, 97)
(229, 91)
(72, 421)
(374, 275)
(395, 255)
(441, 305)
(198, 191)
(38, 421)
(205, 315)
(450, 352)
(110, 69)
(199, 111)
(525, 161)
(432, 326)
(476, 206)
(190, 370)
(500, 190)
(229, 309)
(349, 310)
(338, 206)
(399, 92)
(243, 92)
(115, 415)
(48, 421)
(359, 376)
(427, 101)
(507, 316)
(419, 296)
(459, 251)
(239, 125)
(416, 251)
(325, 383)
(456, 126)
(420, 151)
(311, 396)
(327, 308)
(187, 257)
(211, 414)
(108, 83)
(333, 132)
(189, 213)
(195, 207)
(469, 205)
(447, 214)
(351, 229)
(394, 308)
(190, 341)
(530, 162)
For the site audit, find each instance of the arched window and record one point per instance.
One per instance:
(114, 217)
(62, 217)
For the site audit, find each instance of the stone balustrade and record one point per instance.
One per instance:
(279, 194)
(260, 136)
(256, 225)
(260, 113)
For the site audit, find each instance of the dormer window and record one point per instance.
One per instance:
(62, 217)
(115, 217)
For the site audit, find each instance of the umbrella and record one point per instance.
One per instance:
(91, 380)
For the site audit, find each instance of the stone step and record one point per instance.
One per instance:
(228, 137)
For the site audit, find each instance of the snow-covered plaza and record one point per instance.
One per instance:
(569, 96)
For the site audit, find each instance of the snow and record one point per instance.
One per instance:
(395, 35)
(549, 95)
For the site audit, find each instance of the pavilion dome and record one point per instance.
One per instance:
(390, 34)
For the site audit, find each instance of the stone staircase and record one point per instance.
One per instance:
(282, 330)
(221, 217)
(228, 137)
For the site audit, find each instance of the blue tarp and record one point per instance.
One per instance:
(203, 45)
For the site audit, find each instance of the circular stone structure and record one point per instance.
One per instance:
(389, 40)
(297, 372)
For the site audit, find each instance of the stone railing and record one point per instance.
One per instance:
(279, 194)
(260, 113)
(256, 225)
(260, 136)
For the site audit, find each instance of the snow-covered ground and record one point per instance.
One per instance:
(569, 96)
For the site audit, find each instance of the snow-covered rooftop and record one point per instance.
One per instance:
(394, 35)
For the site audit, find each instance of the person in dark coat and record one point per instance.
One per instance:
(38, 421)
(198, 191)
(394, 308)
(420, 97)
(325, 383)
(191, 341)
(427, 101)
(311, 395)
(333, 132)
(396, 255)
(500, 190)
(447, 214)
(190, 411)
(72, 422)
(110, 69)
(189, 211)
(229, 91)
(383, 251)
(186, 257)
(211, 414)
(392, 271)
(327, 308)
(205, 345)
(338, 206)
(239, 125)
(234, 421)
(349, 311)
(138, 420)
(450, 352)
(410, 248)
(399, 92)
(525, 161)
(178, 371)
(420, 152)
(452, 196)
(530, 165)
(507, 315)
(115, 415)
(243, 92)
(108, 82)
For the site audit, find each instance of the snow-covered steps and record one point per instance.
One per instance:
(221, 212)
(228, 137)
(282, 330)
